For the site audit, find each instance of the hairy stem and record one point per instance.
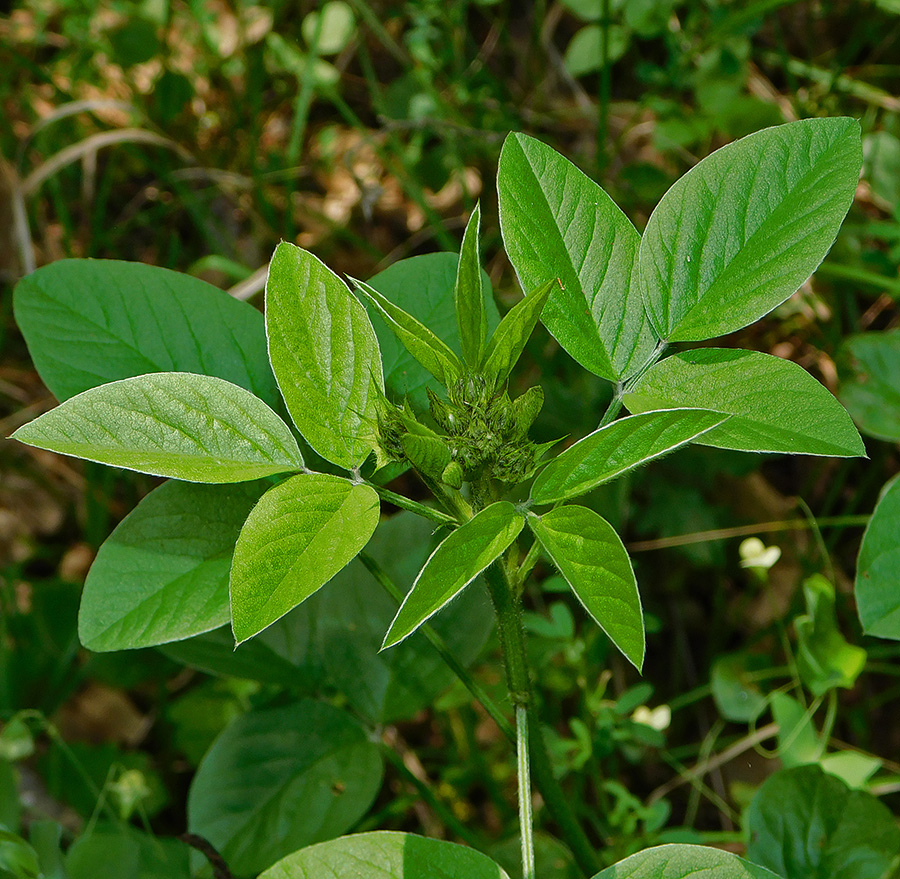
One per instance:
(443, 650)
(523, 772)
(398, 500)
(508, 607)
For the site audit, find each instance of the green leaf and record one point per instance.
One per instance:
(281, 778)
(508, 341)
(584, 54)
(295, 540)
(143, 319)
(325, 356)
(18, 860)
(869, 366)
(735, 690)
(825, 659)
(191, 427)
(386, 854)
(776, 406)
(804, 822)
(351, 616)
(423, 287)
(125, 853)
(619, 447)
(556, 222)
(746, 226)
(454, 564)
(877, 596)
(798, 741)
(423, 344)
(682, 861)
(592, 559)
(162, 575)
(467, 294)
(334, 31)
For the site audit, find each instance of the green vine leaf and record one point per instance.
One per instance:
(746, 226)
(325, 356)
(463, 555)
(594, 562)
(191, 427)
(300, 534)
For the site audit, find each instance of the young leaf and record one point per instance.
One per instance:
(825, 659)
(162, 575)
(556, 222)
(869, 365)
(144, 319)
(385, 854)
(776, 406)
(191, 427)
(424, 345)
(590, 556)
(423, 287)
(805, 822)
(454, 564)
(684, 861)
(325, 356)
(108, 851)
(280, 778)
(467, 294)
(508, 341)
(297, 538)
(877, 596)
(619, 447)
(745, 227)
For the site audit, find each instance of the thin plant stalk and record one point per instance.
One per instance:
(523, 769)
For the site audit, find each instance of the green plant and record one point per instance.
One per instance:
(731, 240)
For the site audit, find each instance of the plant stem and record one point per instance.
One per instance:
(508, 607)
(398, 500)
(443, 650)
(523, 772)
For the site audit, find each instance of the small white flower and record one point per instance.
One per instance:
(755, 554)
(658, 718)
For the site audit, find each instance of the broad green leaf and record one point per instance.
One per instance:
(420, 341)
(351, 616)
(557, 223)
(852, 767)
(423, 287)
(162, 575)
(281, 778)
(798, 740)
(877, 595)
(300, 534)
(735, 689)
(869, 365)
(592, 559)
(385, 854)
(109, 852)
(775, 405)
(804, 822)
(91, 321)
(508, 341)
(192, 427)
(619, 447)
(454, 564)
(746, 226)
(825, 659)
(325, 356)
(18, 860)
(467, 294)
(683, 861)
(552, 859)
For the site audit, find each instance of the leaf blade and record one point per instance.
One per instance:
(591, 557)
(775, 405)
(557, 222)
(146, 318)
(879, 556)
(746, 226)
(462, 556)
(619, 447)
(299, 535)
(508, 341)
(324, 354)
(162, 575)
(192, 427)
(467, 293)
